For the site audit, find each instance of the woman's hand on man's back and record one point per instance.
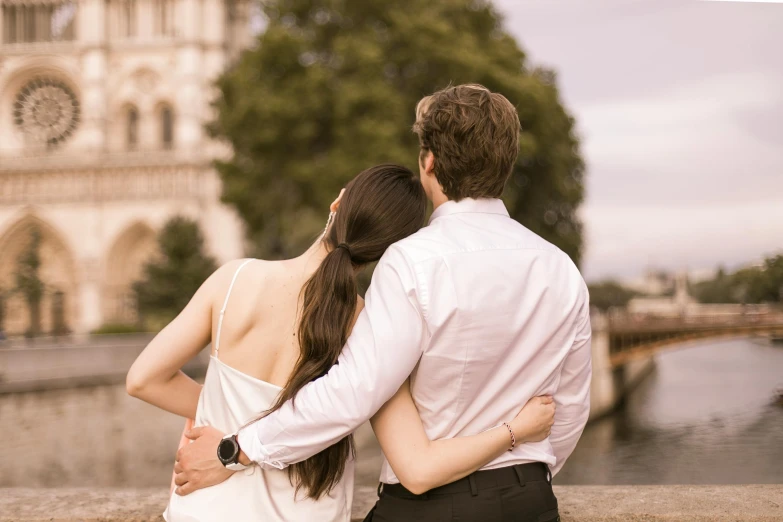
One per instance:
(534, 422)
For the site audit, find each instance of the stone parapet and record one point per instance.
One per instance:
(752, 503)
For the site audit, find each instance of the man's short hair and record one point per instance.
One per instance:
(473, 134)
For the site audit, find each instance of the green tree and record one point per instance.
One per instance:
(59, 325)
(608, 294)
(767, 284)
(28, 281)
(724, 288)
(331, 87)
(762, 284)
(170, 280)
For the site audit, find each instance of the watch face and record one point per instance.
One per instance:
(227, 450)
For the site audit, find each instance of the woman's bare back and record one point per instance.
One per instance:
(259, 335)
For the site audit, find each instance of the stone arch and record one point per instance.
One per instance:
(145, 80)
(36, 65)
(166, 118)
(124, 262)
(57, 272)
(131, 120)
(118, 129)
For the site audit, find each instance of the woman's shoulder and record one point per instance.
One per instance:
(244, 265)
(239, 272)
(226, 272)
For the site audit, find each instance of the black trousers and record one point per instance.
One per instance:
(521, 493)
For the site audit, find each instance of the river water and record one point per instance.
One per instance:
(704, 416)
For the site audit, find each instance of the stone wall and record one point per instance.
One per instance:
(756, 503)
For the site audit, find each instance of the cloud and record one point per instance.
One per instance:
(624, 239)
(690, 145)
(680, 108)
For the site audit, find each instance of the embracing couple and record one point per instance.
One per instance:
(470, 356)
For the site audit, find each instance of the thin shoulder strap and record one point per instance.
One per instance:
(225, 303)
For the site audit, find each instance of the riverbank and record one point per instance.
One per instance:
(704, 416)
(748, 503)
(47, 364)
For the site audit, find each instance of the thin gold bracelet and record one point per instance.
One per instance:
(513, 438)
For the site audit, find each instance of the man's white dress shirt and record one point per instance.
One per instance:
(482, 313)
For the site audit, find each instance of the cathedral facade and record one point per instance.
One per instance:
(102, 112)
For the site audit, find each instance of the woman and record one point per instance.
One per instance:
(279, 325)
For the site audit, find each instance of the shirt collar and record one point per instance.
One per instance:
(470, 206)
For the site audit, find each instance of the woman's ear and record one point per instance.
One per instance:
(336, 203)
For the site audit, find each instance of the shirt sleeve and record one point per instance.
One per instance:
(572, 397)
(382, 351)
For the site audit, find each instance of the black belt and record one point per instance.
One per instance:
(491, 478)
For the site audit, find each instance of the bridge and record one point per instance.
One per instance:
(623, 347)
(634, 337)
(624, 342)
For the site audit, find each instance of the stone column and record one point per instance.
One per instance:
(222, 226)
(147, 20)
(602, 388)
(214, 34)
(189, 100)
(214, 62)
(149, 128)
(92, 34)
(90, 309)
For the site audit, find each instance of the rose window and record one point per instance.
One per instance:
(47, 111)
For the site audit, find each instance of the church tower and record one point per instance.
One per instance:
(102, 112)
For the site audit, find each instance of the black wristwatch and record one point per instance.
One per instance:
(228, 453)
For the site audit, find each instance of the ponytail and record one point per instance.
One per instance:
(380, 206)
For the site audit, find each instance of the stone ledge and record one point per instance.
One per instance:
(756, 503)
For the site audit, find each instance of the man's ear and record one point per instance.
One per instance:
(336, 203)
(429, 164)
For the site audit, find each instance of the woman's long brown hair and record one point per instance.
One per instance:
(381, 206)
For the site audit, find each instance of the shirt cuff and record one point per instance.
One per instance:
(255, 451)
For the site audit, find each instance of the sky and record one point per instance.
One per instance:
(679, 108)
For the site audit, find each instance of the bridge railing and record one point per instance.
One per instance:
(637, 335)
(640, 323)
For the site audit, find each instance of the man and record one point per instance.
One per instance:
(481, 313)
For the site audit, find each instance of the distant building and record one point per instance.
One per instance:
(652, 283)
(682, 305)
(676, 305)
(102, 107)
